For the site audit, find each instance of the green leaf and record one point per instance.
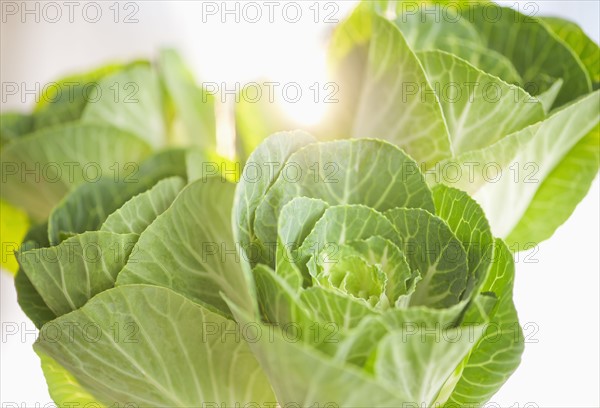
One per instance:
(399, 278)
(523, 162)
(39, 169)
(14, 125)
(548, 97)
(433, 250)
(63, 387)
(566, 185)
(151, 348)
(479, 108)
(339, 225)
(261, 170)
(535, 51)
(63, 101)
(192, 104)
(587, 50)
(498, 353)
(68, 275)
(131, 100)
(31, 302)
(438, 355)
(140, 211)
(87, 206)
(467, 221)
(340, 173)
(278, 301)
(296, 221)
(190, 248)
(487, 60)
(331, 307)
(316, 378)
(391, 104)
(440, 28)
(27, 296)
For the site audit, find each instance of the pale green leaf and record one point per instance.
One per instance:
(566, 185)
(261, 170)
(391, 104)
(153, 347)
(131, 100)
(192, 104)
(498, 353)
(190, 248)
(584, 47)
(140, 211)
(68, 275)
(433, 250)
(535, 51)
(341, 172)
(467, 221)
(479, 108)
(40, 168)
(63, 387)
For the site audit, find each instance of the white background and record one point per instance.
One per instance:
(556, 292)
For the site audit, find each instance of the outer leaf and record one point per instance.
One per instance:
(277, 299)
(566, 185)
(487, 60)
(28, 297)
(63, 387)
(87, 206)
(331, 307)
(68, 275)
(190, 248)
(535, 51)
(66, 99)
(548, 97)
(428, 358)
(529, 156)
(439, 28)
(477, 117)
(59, 158)
(391, 105)
(140, 211)
(131, 100)
(31, 302)
(262, 169)
(193, 105)
(159, 354)
(584, 46)
(498, 353)
(13, 125)
(296, 221)
(316, 378)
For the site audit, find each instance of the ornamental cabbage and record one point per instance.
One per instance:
(380, 291)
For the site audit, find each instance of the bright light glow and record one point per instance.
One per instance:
(229, 54)
(312, 82)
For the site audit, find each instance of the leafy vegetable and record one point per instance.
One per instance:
(364, 278)
(366, 266)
